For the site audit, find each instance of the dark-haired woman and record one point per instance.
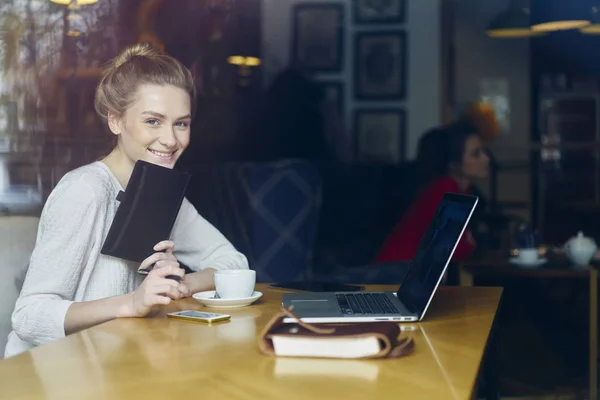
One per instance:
(449, 159)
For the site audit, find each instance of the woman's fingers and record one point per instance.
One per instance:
(166, 263)
(166, 245)
(168, 291)
(157, 299)
(149, 262)
(184, 290)
(168, 270)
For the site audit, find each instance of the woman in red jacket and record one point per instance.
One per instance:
(449, 159)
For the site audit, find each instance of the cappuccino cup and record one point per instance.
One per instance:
(235, 283)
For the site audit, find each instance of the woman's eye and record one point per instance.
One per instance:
(152, 122)
(182, 124)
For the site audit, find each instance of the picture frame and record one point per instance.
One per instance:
(368, 12)
(380, 65)
(318, 37)
(334, 95)
(380, 135)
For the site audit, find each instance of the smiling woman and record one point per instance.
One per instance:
(148, 101)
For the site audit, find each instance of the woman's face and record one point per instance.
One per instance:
(475, 164)
(156, 127)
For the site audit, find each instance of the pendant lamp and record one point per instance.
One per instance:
(559, 15)
(594, 27)
(513, 22)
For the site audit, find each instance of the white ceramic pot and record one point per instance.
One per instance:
(580, 249)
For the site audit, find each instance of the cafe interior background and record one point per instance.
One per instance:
(308, 122)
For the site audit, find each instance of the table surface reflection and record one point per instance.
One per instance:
(162, 358)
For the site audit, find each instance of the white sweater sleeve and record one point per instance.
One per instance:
(199, 245)
(65, 236)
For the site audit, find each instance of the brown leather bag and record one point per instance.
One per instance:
(391, 346)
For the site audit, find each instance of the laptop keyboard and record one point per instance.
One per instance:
(365, 303)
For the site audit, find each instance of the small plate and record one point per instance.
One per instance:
(536, 263)
(208, 299)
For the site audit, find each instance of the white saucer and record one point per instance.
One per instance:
(208, 299)
(531, 264)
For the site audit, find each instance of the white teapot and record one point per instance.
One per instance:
(580, 249)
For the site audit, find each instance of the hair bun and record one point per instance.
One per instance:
(137, 50)
(483, 119)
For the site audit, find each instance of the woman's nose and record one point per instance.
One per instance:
(168, 139)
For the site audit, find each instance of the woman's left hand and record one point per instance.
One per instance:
(167, 246)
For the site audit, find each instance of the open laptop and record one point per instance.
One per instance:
(411, 301)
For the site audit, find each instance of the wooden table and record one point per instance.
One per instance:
(161, 358)
(557, 267)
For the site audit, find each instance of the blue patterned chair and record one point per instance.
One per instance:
(269, 211)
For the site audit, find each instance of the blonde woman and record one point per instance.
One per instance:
(147, 99)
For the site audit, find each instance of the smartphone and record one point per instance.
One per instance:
(199, 316)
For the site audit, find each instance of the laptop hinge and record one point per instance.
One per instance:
(408, 304)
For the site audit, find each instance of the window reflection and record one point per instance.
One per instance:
(51, 58)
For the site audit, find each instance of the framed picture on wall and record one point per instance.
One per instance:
(334, 96)
(379, 11)
(380, 65)
(380, 135)
(318, 37)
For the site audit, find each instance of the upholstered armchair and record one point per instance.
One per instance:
(17, 239)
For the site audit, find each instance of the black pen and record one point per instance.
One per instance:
(147, 271)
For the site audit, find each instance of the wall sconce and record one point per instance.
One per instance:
(244, 61)
(244, 67)
(76, 25)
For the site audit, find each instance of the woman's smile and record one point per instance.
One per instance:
(163, 155)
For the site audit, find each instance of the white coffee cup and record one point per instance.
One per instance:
(528, 255)
(235, 283)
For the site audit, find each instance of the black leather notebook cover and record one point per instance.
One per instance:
(147, 213)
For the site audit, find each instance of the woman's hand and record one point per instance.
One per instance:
(157, 289)
(162, 258)
(165, 258)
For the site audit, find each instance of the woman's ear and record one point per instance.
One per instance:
(114, 123)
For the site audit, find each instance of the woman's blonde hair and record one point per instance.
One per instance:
(137, 65)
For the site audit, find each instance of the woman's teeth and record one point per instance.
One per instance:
(162, 154)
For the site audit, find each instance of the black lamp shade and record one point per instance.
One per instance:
(512, 23)
(558, 15)
(594, 27)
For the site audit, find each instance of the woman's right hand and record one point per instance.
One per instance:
(157, 289)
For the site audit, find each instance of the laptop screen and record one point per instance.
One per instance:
(435, 251)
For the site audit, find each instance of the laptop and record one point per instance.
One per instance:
(410, 302)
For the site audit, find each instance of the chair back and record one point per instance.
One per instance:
(269, 211)
(17, 240)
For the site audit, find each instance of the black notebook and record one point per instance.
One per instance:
(147, 213)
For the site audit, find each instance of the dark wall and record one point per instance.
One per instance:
(574, 55)
(568, 52)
